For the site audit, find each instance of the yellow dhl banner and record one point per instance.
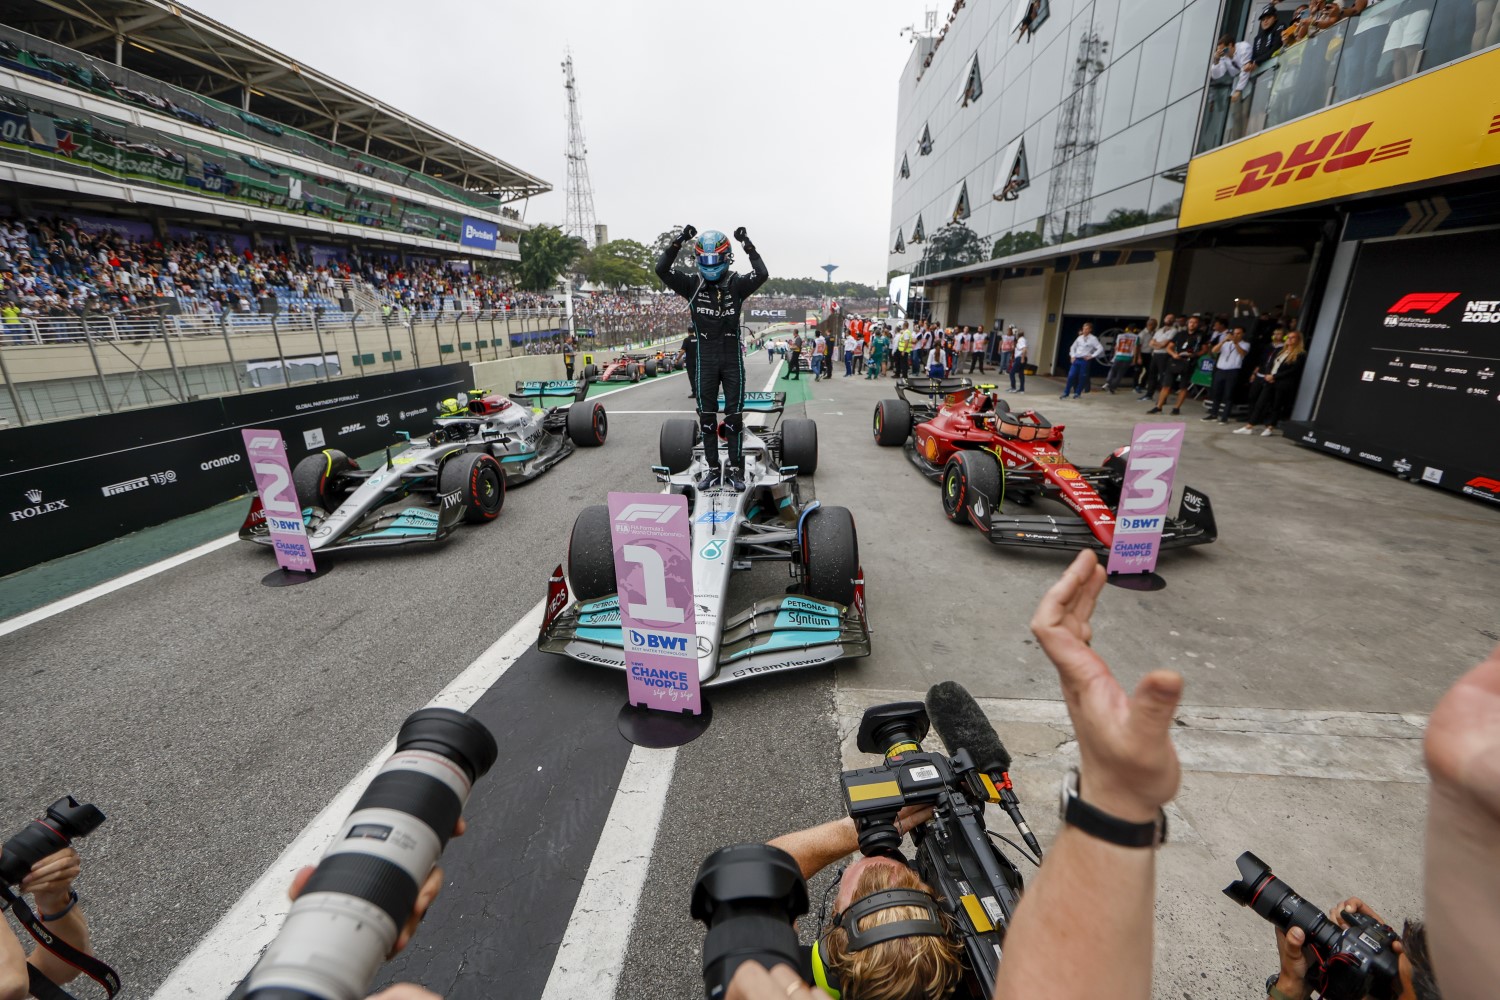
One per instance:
(1443, 123)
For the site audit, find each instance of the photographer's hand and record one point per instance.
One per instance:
(50, 880)
(752, 982)
(1463, 833)
(1292, 982)
(426, 895)
(405, 991)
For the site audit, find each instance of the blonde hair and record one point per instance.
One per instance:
(921, 967)
(1290, 352)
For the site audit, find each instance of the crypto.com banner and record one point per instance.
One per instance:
(278, 499)
(653, 547)
(1145, 497)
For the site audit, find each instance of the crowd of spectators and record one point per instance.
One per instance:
(1329, 47)
(610, 315)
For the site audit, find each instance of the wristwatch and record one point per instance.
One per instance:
(1097, 823)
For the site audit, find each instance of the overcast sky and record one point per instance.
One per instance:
(776, 115)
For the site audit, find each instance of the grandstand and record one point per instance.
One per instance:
(160, 171)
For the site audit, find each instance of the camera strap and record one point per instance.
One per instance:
(41, 987)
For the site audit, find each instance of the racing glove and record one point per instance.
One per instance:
(688, 232)
(744, 239)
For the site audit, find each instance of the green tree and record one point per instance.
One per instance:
(546, 252)
(1123, 218)
(1016, 242)
(955, 245)
(818, 287)
(619, 264)
(685, 262)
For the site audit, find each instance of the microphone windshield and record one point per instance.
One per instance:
(961, 724)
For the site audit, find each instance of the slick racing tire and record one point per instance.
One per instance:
(316, 479)
(678, 436)
(590, 372)
(479, 482)
(591, 555)
(830, 555)
(970, 474)
(892, 424)
(587, 424)
(651, 368)
(799, 444)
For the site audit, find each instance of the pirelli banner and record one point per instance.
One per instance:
(67, 486)
(1442, 124)
(1413, 381)
(754, 316)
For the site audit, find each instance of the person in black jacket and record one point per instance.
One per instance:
(715, 297)
(1281, 375)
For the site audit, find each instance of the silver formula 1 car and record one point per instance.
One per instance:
(820, 619)
(481, 444)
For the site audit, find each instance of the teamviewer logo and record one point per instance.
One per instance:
(1430, 303)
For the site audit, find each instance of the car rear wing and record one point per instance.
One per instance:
(561, 388)
(932, 387)
(761, 402)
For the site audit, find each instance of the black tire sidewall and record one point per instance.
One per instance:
(591, 559)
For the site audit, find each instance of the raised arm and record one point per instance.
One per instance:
(746, 284)
(679, 283)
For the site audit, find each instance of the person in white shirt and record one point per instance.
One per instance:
(1231, 350)
(851, 351)
(960, 345)
(1081, 355)
(937, 361)
(1018, 361)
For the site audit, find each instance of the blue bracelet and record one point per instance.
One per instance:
(47, 918)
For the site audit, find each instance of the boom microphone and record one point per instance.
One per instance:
(962, 725)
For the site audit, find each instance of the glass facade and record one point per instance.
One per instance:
(1319, 62)
(1083, 123)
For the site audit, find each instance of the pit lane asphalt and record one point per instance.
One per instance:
(211, 717)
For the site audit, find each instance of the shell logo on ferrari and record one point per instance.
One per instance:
(1067, 473)
(931, 448)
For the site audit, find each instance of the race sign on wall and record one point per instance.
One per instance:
(1145, 497)
(278, 499)
(754, 314)
(1413, 382)
(652, 538)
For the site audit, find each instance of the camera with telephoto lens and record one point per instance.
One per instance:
(66, 820)
(974, 883)
(748, 895)
(348, 915)
(1345, 963)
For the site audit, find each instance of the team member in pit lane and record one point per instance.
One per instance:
(715, 298)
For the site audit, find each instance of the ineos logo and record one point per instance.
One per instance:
(214, 463)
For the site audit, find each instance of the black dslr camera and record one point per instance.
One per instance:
(1346, 963)
(975, 884)
(66, 819)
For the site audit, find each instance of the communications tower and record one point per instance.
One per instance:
(1076, 148)
(580, 220)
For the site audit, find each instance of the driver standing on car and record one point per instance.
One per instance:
(715, 297)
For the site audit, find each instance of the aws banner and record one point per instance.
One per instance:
(1430, 127)
(477, 233)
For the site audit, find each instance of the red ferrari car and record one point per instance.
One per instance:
(985, 456)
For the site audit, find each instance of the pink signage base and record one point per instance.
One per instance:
(1145, 498)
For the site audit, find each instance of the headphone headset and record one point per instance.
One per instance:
(826, 977)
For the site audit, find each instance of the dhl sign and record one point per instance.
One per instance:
(1427, 128)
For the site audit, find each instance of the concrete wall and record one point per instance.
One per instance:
(501, 375)
(1127, 290)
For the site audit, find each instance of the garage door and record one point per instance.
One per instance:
(1020, 304)
(971, 306)
(1127, 290)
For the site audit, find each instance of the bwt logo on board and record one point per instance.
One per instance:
(1333, 152)
(653, 640)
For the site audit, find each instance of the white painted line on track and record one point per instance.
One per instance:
(227, 953)
(146, 572)
(118, 583)
(592, 953)
(631, 412)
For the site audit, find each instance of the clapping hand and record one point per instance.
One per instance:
(1129, 766)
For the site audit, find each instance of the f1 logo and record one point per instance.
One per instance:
(264, 443)
(1430, 303)
(659, 513)
(1485, 483)
(1160, 434)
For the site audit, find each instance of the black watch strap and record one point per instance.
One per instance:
(1101, 825)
